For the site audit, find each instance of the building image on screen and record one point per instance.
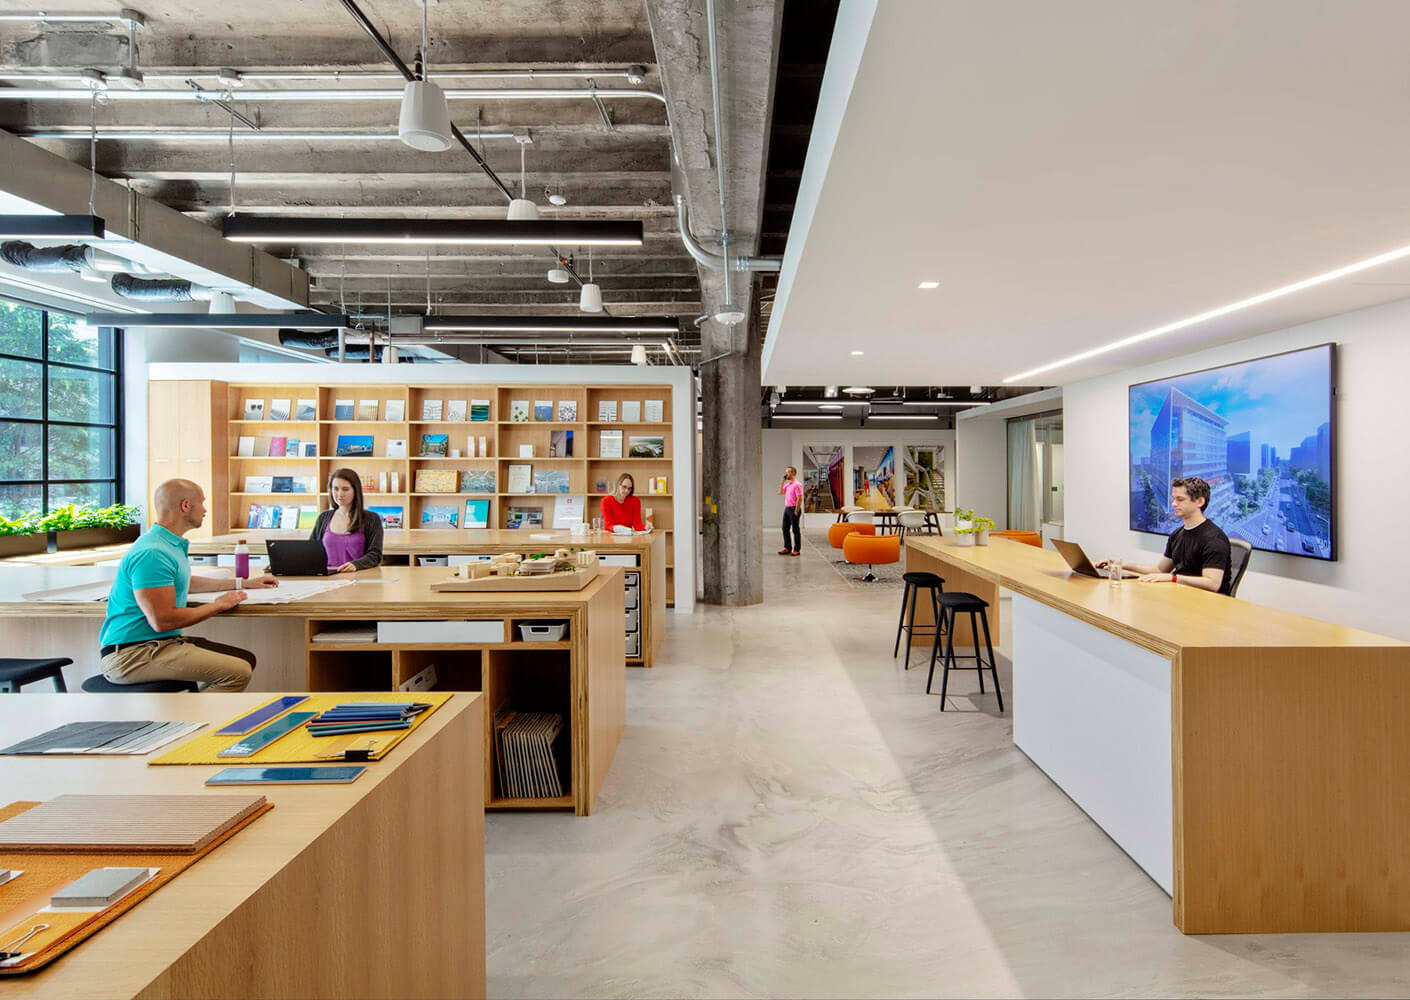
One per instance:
(1259, 432)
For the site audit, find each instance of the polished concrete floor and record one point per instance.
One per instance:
(790, 815)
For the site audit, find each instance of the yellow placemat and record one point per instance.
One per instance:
(299, 747)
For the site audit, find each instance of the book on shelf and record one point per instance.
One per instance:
(567, 410)
(305, 484)
(518, 410)
(477, 513)
(658, 486)
(354, 446)
(654, 411)
(279, 409)
(342, 409)
(526, 451)
(523, 517)
(479, 410)
(438, 516)
(484, 446)
(277, 445)
(560, 444)
(543, 410)
(477, 480)
(310, 449)
(606, 410)
(609, 444)
(396, 410)
(520, 479)
(395, 482)
(568, 511)
(254, 409)
(367, 409)
(631, 411)
(288, 517)
(263, 442)
(646, 446)
(246, 446)
(435, 445)
(308, 517)
(430, 409)
(456, 410)
(436, 481)
(548, 480)
(281, 484)
(259, 484)
(369, 483)
(382, 482)
(396, 447)
(306, 409)
(291, 447)
(391, 516)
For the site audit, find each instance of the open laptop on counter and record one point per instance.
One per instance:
(1078, 562)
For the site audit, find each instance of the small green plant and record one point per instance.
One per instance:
(971, 529)
(70, 517)
(25, 524)
(983, 523)
(961, 514)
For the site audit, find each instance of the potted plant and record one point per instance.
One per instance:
(964, 536)
(982, 526)
(964, 519)
(81, 528)
(22, 536)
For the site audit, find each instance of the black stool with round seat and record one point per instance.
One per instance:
(15, 673)
(952, 604)
(98, 684)
(915, 583)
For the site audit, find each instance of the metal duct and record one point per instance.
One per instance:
(159, 289)
(360, 354)
(318, 340)
(70, 259)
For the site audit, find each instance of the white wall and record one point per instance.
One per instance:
(982, 469)
(784, 446)
(1367, 587)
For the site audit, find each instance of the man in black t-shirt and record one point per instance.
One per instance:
(1197, 554)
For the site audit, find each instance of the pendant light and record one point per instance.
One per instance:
(521, 209)
(590, 298)
(425, 117)
(639, 354)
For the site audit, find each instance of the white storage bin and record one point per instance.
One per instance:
(634, 644)
(543, 631)
(633, 617)
(461, 560)
(433, 560)
(617, 560)
(432, 632)
(631, 579)
(207, 560)
(633, 598)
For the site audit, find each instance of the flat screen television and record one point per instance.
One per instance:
(1262, 433)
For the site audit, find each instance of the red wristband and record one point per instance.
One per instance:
(1173, 579)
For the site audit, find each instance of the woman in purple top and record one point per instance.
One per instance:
(351, 534)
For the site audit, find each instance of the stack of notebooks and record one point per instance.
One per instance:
(365, 717)
(528, 763)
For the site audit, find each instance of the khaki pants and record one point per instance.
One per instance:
(214, 665)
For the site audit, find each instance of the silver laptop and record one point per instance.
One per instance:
(1077, 560)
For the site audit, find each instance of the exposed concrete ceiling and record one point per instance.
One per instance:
(1076, 173)
(611, 160)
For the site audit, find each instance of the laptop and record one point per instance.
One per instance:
(296, 557)
(1078, 562)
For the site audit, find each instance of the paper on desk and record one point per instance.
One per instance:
(73, 595)
(286, 592)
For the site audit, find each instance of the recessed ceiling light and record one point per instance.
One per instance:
(858, 354)
(858, 390)
(1232, 307)
(929, 284)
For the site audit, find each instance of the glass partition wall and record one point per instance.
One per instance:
(1035, 474)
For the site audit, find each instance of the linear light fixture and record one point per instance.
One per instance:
(1232, 307)
(903, 416)
(807, 416)
(486, 232)
(946, 402)
(245, 321)
(552, 324)
(520, 340)
(20, 227)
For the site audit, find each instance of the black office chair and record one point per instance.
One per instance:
(1240, 552)
(15, 673)
(98, 684)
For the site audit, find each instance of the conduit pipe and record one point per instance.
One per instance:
(714, 261)
(245, 76)
(119, 134)
(380, 94)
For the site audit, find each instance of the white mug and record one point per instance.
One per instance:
(455, 453)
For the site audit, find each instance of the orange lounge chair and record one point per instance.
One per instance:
(837, 532)
(1026, 537)
(873, 550)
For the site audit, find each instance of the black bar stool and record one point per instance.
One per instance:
(98, 684)
(15, 673)
(915, 583)
(952, 604)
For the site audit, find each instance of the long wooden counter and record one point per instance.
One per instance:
(373, 889)
(582, 676)
(1275, 744)
(642, 556)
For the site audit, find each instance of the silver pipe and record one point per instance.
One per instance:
(714, 261)
(719, 138)
(118, 134)
(257, 96)
(39, 15)
(74, 76)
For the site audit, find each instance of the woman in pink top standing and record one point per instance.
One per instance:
(792, 492)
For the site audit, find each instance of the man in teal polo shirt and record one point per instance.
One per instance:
(141, 638)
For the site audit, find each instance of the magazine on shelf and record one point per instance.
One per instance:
(523, 517)
(277, 445)
(518, 410)
(520, 479)
(291, 447)
(396, 447)
(367, 409)
(606, 410)
(477, 481)
(391, 516)
(560, 444)
(279, 409)
(609, 444)
(396, 410)
(435, 481)
(479, 410)
(631, 411)
(310, 449)
(282, 484)
(456, 410)
(306, 409)
(547, 480)
(342, 409)
(647, 446)
(355, 445)
(246, 446)
(431, 409)
(439, 516)
(477, 513)
(254, 409)
(567, 410)
(308, 517)
(543, 410)
(654, 411)
(259, 484)
(435, 445)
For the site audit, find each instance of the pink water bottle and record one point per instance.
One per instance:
(242, 559)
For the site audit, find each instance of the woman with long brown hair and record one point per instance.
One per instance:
(351, 534)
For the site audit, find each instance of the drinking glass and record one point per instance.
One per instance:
(596, 525)
(1113, 568)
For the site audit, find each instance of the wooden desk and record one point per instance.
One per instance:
(1252, 761)
(374, 889)
(583, 676)
(643, 557)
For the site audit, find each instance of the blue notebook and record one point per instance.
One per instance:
(335, 774)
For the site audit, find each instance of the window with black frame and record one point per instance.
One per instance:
(60, 411)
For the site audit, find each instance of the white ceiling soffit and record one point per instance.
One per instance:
(1076, 173)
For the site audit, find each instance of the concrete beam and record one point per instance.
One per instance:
(147, 231)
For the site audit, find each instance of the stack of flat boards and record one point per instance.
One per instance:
(180, 824)
(127, 737)
(528, 764)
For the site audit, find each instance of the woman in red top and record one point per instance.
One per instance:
(622, 507)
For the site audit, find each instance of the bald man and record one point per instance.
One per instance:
(141, 639)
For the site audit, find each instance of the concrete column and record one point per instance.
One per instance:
(731, 451)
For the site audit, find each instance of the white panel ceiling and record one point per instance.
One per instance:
(1076, 173)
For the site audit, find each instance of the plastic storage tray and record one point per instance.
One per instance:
(543, 631)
